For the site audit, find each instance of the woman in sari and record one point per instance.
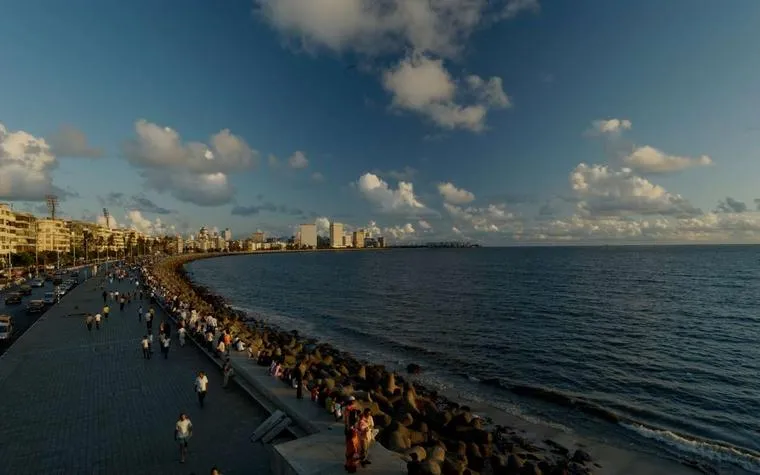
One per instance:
(353, 450)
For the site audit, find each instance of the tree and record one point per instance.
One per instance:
(22, 259)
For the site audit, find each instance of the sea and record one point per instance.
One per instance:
(647, 347)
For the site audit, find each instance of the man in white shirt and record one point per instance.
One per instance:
(182, 335)
(145, 347)
(183, 430)
(165, 342)
(201, 386)
(97, 320)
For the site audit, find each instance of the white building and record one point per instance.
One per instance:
(336, 235)
(227, 235)
(308, 235)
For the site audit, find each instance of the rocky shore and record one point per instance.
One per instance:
(447, 437)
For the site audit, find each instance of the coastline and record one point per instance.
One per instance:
(485, 433)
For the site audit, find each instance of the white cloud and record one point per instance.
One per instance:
(26, 163)
(323, 226)
(377, 191)
(135, 220)
(373, 229)
(400, 233)
(422, 85)
(604, 191)
(610, 126)
(317, 177)
(648, 159)
(191, 171)
(298, 160)
(456, 230)
(452, 194)
(372, 27)
(492, 218)
(111, 224)
(424, 225)
(432, 29)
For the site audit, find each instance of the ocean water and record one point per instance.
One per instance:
(652, 347)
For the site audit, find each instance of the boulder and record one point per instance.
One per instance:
(420, 451)
(430, 467)
(413, 368)
(581, 456)
(437, 453)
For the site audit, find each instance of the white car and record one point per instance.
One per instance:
(50, 298)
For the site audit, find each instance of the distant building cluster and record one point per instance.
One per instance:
(22, 232)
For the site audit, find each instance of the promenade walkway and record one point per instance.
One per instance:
(73, 402)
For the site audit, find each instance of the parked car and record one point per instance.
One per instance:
(13, 298)
(74, 274)
(60, 291)
(50, 298)
(57, 280)
(25, 290)
(6, 327)
(36, 283)
(35, 306)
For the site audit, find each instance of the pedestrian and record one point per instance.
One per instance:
(352, 450)
(88, 321)
(215, 471)
(146, 347)
(139, 314)
(366, 434)
(122, 301)
(299, 388)
(183, 431)
(97, 321)
(105, 296)
(165, 341)
(182, 334)
(149, 320)
(201, 386)
(228, 372)
(106, 311)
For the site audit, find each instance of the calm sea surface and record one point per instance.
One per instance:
(665, 339)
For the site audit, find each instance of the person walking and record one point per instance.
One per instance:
(140, 314)
(182, 335)
(88, 321)
(201, 386)
(165, 341)
(122, 301)
(366, 428)
(145, 347)
(228, 372)
(106, 311)
(97, 321)
(183, 431)
(105, 296)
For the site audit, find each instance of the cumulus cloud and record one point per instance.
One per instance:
(377, 191)
(298, 160)
(137, 202)
(604, 191)
(421, 84)
(452, 194)
(69, 141)
(26, 163)
(317, 177)
(135, 220)
(323, 225)
(648, 159)
(424, 225)
(432, 29)
(190, 171)
(609, 126)
(399, 233)
(730, 205)
(111, 223)
(491, 218)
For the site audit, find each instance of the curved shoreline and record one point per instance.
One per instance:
(413, 417)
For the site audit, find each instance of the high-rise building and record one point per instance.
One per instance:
(227, 235)
(380, 241)
(7, 231)
(53, 235)
(358, 238)
(308, 235)
(26, 232)
(336, 235)
(258, 237)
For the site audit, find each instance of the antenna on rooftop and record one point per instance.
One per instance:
(52, 204)
(108, 218)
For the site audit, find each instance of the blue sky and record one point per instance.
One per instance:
(484, 114)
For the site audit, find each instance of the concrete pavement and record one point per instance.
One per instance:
(74, 402)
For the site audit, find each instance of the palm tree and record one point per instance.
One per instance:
(86, 241)
(99, 243)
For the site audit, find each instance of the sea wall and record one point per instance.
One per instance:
(446, 436)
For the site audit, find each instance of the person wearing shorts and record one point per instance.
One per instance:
(183, 431)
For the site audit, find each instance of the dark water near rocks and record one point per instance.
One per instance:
(655, 347)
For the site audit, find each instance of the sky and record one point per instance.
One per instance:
(501, 122)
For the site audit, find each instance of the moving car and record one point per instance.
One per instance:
(36, 283)
(35, 306)
(50, 298)
(25, 290)
(6, 327)
(13, 298)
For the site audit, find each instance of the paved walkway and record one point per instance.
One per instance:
(74, 402)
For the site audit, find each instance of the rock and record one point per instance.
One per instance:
(389, 385)
(407, 420)
(420, 451)
(413, 368)
(438, 454)
(362, 373)
(398, 441)
(530, 469)
(430, 467)
(514, 463)
(454, 465)
(581, 456)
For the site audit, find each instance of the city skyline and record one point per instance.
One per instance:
(506, 122)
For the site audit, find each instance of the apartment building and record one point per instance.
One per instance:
(336, 235)
(308, 235)
(53, 235)
(7, 231)
(358, 238)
